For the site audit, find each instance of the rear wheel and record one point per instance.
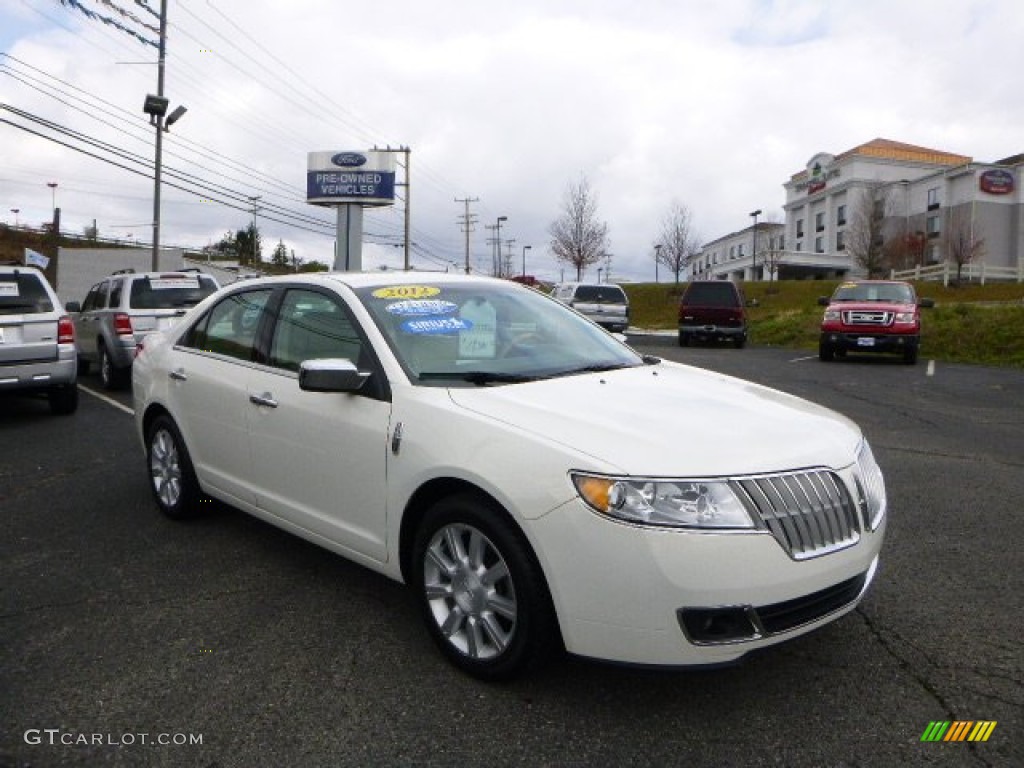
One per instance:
(64, 399)
(481, 590)
(684, 339)
(825, 352)
(111, 377)
(171, 476)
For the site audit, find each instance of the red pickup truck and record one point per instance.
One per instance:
(872, 316)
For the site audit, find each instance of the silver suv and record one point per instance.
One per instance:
(604, 303)
(121, 310)
(37, 340)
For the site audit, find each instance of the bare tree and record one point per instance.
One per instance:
(679, 243)
(865, 240)
(962, 246)
(577, 237)
(769, 246)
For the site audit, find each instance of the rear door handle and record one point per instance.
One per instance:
(178, 374)
(266, 399)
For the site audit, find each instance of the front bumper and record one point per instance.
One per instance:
(867, 341)
(631, 598)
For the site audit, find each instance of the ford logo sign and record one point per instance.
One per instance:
(348, 159)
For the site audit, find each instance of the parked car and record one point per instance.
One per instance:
(604, 303)
(712, 310)
(120, 310)
(876, 316)
(37, 340)
(537, 483)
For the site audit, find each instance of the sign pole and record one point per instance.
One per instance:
(348, 256)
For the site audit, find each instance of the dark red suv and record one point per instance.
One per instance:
(872, 316)
(711, 310)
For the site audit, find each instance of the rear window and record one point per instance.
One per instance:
(170, 291)
(23, 293)
(711, 295)
(600, 294)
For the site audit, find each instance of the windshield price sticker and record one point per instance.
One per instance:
(436, 326)
(406, 292)
(418, 307)
(8, 289)
(165, 283)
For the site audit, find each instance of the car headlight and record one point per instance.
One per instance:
(667, 503)
(904, 317)
(872, 484)
(831, 316)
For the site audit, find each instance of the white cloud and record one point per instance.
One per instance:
(711, 104)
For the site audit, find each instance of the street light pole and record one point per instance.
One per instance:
(497, 245)
(753, 258)
(657, 258)
(525, 249)
(16, 211)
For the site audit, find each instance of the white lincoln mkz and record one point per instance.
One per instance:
(537, 483)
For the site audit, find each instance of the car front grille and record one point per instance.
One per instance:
(791, 614)
(867, 317)
(809, 513)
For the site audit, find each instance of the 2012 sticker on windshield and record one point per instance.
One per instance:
(406, 292)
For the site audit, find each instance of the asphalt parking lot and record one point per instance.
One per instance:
(120, 629)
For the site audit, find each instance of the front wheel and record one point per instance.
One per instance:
(172, 478)
(910, 355)
(684, 339)
(825, 352)
(481, 590)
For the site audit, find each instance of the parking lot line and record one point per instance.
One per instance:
(108, 400)
(801, 359)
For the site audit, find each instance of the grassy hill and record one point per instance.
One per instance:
(981, 324)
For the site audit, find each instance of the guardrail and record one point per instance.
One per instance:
(970, 272)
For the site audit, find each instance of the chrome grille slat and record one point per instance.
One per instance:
(809, 513)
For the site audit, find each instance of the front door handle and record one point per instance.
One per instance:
(266, 399)
(178, 374)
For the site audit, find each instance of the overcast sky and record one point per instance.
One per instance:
(713, 104)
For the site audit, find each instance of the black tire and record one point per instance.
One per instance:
(684, 339)
(171, 476)
(910, 355)
(825, 352)
(481, 591)
(111, 377)
(83, 366)
(739, 342)
(64, 399)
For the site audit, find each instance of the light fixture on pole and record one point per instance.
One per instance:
(53, 194)
(15, 211)
(525, 249)
(599, 275)
(657, 259)
(753, 258)
(497, 245)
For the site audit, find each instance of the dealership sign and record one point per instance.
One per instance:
(337, 178)
(996, 182)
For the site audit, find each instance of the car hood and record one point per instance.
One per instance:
(877, 306)
(672, 420)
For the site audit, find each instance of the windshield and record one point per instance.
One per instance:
(23, 293)
(892, 293)
(171, 291)
(477, 333)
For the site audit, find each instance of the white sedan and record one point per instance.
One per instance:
(536, 482)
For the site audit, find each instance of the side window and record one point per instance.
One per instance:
(229, 328)
(115, 294)
(97, 298)
(311, 326)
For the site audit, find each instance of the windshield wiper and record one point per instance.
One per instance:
(480, 378)
(596, 368)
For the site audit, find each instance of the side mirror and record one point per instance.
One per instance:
(926, 303)
(73, 306)
(823, 301)
(331, 375)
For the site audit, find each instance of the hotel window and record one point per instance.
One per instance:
(799, 227)
(819, 222)
(799, 245)
(739, 251)
(933, 198)
(841, 240)
(840, 215)
(819, 245)
(732, 251)
(933, 226)
(782, 242)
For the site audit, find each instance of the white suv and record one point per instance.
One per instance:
(37, 340)
(604, 303)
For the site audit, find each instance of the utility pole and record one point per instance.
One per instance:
(408, 195)
(159, 123)
(468, 220)
(507, 271)
(493, 242)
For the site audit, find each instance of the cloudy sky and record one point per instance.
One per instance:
(713, 104)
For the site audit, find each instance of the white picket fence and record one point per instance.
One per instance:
(969, 272)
